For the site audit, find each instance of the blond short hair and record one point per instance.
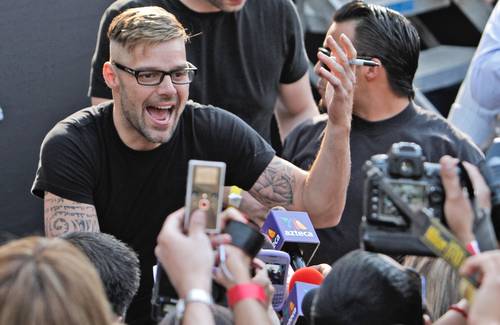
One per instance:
(145, 25)
(48, 281)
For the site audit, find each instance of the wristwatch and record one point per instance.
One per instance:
(194, 295)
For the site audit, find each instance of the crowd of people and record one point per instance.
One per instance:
(227, 81)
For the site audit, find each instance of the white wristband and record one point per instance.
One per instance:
(194, 295)
(198, 295)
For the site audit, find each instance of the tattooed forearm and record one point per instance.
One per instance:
(63, 216)
(275, 185)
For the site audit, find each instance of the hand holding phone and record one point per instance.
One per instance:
(277, 264)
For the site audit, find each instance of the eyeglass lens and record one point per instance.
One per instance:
(183, 76)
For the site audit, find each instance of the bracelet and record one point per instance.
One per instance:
(459, 310)
(194, 295)
(234, 197)
(244, 291)
(473, 247)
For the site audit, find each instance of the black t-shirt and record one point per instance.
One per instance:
(433, 133)
(83, 159)
(242, 56)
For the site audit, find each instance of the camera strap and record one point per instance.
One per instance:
(431, 232)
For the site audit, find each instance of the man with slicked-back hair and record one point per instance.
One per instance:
(383, 113)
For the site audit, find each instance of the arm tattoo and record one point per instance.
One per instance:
(64, 216)
(275, 185)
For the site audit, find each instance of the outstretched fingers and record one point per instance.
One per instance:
(338, 64)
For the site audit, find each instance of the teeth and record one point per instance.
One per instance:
(164, 107)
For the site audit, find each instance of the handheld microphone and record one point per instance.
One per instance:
(292, 232)
(306, 274)
(301, 283)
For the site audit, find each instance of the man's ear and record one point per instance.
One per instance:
(372, 73)
(109, 75)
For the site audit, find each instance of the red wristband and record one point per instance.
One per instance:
(244, 291)
(473, 247)
(459, 310)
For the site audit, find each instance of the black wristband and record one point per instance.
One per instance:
(244, 236)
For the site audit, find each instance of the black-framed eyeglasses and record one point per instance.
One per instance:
(181, 76)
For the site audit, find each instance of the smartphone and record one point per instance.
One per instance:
(205, 191)
(277, 264)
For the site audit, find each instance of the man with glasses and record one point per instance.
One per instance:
(250, 54)
(120, 167)
(383, 113)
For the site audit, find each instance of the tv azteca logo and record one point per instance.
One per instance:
(274, 236)
(299, 229)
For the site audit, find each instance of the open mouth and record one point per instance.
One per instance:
(160, 114)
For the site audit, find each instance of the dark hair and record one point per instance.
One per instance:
(387, 35)
(116, 263)
(364, 288)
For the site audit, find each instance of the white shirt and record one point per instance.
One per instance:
(478, 101)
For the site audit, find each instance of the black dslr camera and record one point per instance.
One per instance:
(418, 183)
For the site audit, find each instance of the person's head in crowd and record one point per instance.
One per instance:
(49, 281)
(441, 283)
(385, 36)
(148, 74)
(366, 288)
(117, 264)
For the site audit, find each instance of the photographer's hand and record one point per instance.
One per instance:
(237, 264)
(248, 310)
(484, 308)
(187, 258)
(457, 208)
(262, 278)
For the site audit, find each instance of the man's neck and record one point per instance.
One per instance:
(380, 107)
(201, 6)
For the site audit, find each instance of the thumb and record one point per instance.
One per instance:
(198, 223)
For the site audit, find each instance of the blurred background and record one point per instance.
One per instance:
(45, 52)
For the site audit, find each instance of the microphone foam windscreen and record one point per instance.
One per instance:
(307, 275)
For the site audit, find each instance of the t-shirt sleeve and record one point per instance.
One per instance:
(65, 166)
(296, 61)
(469, 151)
(244, 151)
(98, 87)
